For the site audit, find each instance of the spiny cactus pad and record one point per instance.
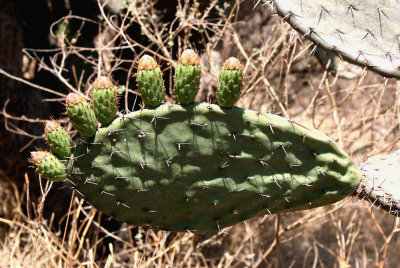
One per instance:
(230, 83)
(58, 139)
(366, 33)
(48, 165)
(150, 82)
(81, 114)
(199, 167)
(380, 182)
(105, 99)
(187, 77)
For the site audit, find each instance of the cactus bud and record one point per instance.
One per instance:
(230, 82)
(150, 82)
(48, 165)
(187, 77)
(105, 100)
(58, 139)
(81, 115)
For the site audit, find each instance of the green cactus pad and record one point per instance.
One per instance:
(366, 33)
(105, 100)
(230, 83)
(150, 82)
(58, 139)
(81, 115)
(48, 165)
(187, 77)
(199, 167)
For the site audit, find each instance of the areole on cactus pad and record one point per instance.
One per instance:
(199, 166)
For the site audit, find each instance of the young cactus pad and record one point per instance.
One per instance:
(105, 99)
(81, 115)
(48, 165)
(230, 83)
(150, 82)
(187, 77)
(366, 33)
(58, 139)
(199, 167)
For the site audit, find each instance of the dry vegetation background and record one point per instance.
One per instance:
(358, 109)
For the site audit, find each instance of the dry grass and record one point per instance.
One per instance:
(361, 114)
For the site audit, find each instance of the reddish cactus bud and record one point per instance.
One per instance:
(232, 64)
(147, 63)
(189, 57)
(73, 99)
(50, 126)
(102, 82)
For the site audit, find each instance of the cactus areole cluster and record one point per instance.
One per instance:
(195, 166)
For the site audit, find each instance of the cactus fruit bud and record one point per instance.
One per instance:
(187, 77)
(150, 82)
(81, 115)
(230, 82)
(58, 139)
(105, 100)
(48, 165)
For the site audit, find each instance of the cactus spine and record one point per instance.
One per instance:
(150, 82)
(81, 115)
(58, 139)
(105, 100)
(187, 77)
(230, 83)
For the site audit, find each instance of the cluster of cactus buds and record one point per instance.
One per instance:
(85, 116)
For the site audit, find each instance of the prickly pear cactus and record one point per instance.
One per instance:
(105, 99)
(230, 82)
(199, 167)
(81, 114)
(58, 139)
(150, 82)
(48, 165)
(380, 182)
(187, 77)
(364, 32)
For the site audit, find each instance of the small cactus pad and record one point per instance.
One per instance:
(48, 165)
(150, 82)
(187, 77)
(105, 99)
(81, 115)
(198, 167)
(230, 83)
(366, 33)
(380, 183)
(58, 139)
